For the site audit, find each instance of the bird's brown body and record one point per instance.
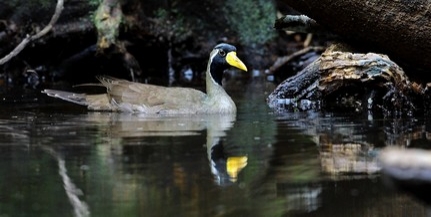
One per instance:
(127, 96)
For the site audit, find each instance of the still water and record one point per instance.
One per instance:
(57, 159)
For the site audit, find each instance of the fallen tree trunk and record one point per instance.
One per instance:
(350, 81)
(400, 29)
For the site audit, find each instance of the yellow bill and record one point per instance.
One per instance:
(234, 61)
(234, 165)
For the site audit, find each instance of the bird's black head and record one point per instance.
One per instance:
(222, 57)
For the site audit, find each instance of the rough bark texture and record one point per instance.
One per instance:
(400, 29)
(360, 82)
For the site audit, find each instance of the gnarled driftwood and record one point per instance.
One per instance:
(349, 80)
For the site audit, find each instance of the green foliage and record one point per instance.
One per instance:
(161, 13)
(172, 25)
(251, 19)
(94, 2)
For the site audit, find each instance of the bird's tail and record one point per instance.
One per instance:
(78, 98)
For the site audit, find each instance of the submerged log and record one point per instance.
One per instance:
(400, 29)
(349, 80)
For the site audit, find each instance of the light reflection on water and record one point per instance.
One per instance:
(109, 164)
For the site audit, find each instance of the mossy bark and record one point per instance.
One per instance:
(107, 20)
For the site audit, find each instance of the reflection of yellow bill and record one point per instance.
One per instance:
(234, 165)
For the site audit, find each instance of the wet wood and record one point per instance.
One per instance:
(400, 29)
(360, 81)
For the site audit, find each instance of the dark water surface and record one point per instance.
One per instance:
(59, 160)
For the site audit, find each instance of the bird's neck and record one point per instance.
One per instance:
(213, 89)
(217, 98)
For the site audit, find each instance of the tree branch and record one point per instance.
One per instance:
(36, 36)
(300, 23)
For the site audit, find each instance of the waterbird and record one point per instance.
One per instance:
(126, 96)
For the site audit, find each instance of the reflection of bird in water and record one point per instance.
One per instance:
(126, 125)
(129, 96)
(223, 165)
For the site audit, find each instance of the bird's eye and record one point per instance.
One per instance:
(222, 53)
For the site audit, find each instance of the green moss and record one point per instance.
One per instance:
(251, 19)
(107, 20)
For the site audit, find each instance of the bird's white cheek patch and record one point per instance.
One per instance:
(213, 54)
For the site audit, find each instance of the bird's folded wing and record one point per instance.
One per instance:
(151, 95)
